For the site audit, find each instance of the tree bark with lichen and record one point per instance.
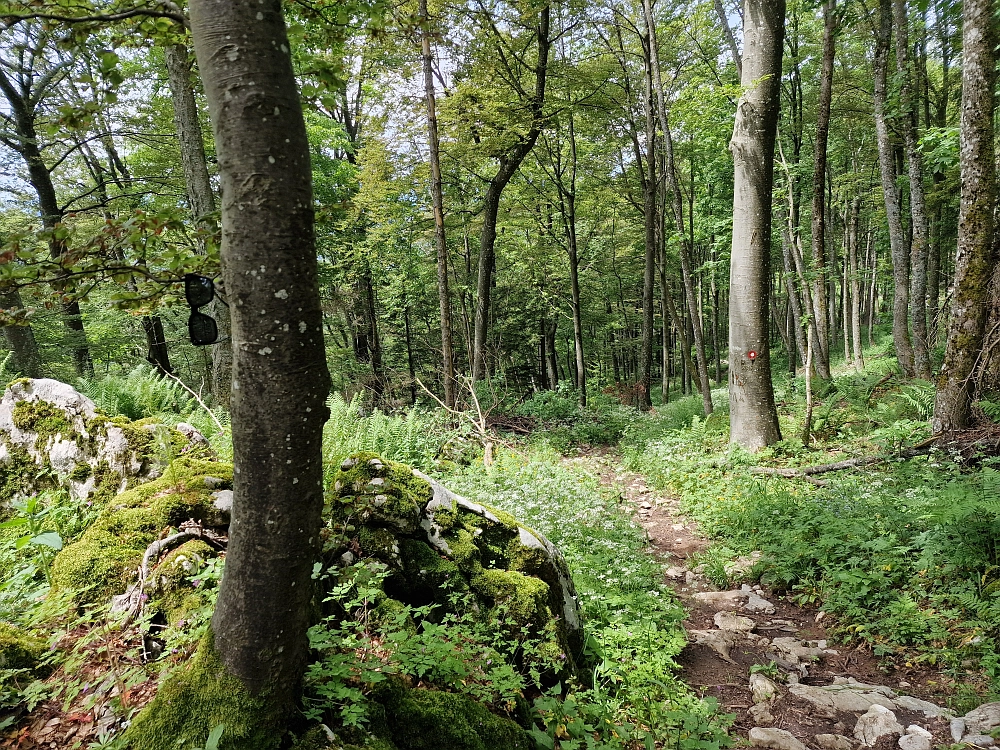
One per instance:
(977, 237)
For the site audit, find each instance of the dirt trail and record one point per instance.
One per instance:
(818, 690)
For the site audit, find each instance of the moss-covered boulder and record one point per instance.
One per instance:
(20, 650)
(103, 561)
(435, 543)
(50, 434)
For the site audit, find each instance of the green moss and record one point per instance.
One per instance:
(41, 417)
(426, 573)
(384, 491)
(101, 563)
(171, 590)
(81, 472)
(19, 650)
(20, 475)
(195, 699)
(432, 720)
(525, 598)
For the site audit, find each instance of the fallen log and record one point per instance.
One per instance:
(807, 472)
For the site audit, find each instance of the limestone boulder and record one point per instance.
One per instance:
(982, 720)
(52, 435)
(878, 722)
(435, 544)
(775, 739)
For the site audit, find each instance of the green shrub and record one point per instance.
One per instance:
(138, 394)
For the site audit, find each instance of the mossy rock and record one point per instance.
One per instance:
(51, 435)
(170, 587)
(199, 697)
(102, 562)
(436, 543)
(433, 720)
(19, 650)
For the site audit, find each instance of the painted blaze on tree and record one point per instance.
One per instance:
(753, 417)
(247, 673)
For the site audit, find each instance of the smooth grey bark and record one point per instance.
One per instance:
(510, 161)
(887, 168)
(280, 378)
(201, 199)
(918, 210)
(21, 339)
(437, 200)
(753, 417)
(977, 236)
(822, 343)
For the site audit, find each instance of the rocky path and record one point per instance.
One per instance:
(769, 662)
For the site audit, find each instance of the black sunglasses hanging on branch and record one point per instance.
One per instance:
(199, 291)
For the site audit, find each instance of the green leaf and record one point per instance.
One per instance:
(14, 522)
(212, 743)
(49, 539)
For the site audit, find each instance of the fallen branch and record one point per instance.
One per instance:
(197, 397)
(807, 472)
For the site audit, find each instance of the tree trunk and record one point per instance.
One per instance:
(753, 417)
(686, 248)
(918, 210)
(437, 198)
(977, 238)
(260, 620)
(201, 200)
(734, 49)
(887, 167)
(21, 339)
(509, 163)
(822, 342)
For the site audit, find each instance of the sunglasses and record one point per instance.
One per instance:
(199, 291)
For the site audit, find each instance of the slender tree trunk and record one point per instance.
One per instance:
(887, 165)
(687, 271)
(753, 416)
(977, 237)
(437, 199)
(734, 49)
(509, 163)
(21, 339)
(651, 221)
(855, 280)
(918, 210)
(822, 342)
(201, 200)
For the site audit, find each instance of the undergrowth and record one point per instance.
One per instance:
(906, 553)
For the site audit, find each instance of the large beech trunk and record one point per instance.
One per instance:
(753, 417)
(280, 379)
(977, 238)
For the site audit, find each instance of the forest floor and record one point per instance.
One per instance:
(818, 689)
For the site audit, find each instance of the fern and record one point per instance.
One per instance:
(139, 394)
(919, 397)
(991, 409)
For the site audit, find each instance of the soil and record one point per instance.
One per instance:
(675, 539)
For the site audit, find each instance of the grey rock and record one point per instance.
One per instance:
(756, 603)
(775, 739)
(919, 731)
(914, 742)
(983, 719)
(676, 572)
(733, 622)
(214, 482)
(742, 565)
(196, 440)
(348, 464)
(877, 723)
(840, 698)
(720, 641)
(763, 689)
(795, 649)
(719, 598)
(89, 440)
(760, 714)
(957, 727)
(834, 742)
(929, 710)
(979, 740)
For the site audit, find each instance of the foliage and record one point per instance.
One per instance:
(416, 439)
(138, 394)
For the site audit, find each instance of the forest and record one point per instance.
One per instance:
(507, 374)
